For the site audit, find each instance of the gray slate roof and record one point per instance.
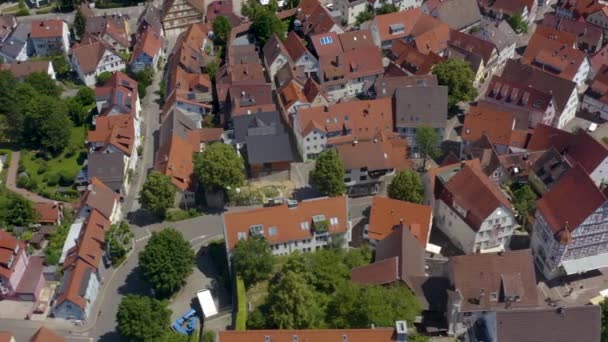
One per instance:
(421, 106)
(15, 43)
(108, 168)
(459, 14)
(265, 136)
(500, 33)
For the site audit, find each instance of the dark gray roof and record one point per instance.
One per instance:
(470, 57)
(459, 14)
(178, 123)
(574, 323)
(108, 168)
(14, 44)
(151, 16)
(418, 106)
(265, 136)
(498, 32)
(539, 80)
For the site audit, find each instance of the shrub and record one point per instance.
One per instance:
(52, 178)
(66, 178)
(23, 182)
(179, 215)
(42, 168)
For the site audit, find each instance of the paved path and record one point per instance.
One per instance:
(11, 181)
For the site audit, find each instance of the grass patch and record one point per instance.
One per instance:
(53, 250)
(45, 175)
(179, 215)
(241, 298)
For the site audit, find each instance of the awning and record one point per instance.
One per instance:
(586, 264)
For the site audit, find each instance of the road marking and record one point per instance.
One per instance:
(197, 238)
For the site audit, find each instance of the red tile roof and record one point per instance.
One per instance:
(473, 44)
(294, 46)
(91, 242)
(553, 56)
(100, 197)
(46, 335)
(89, 52)
(499, 126)
(8, 246)
(545, 137)
(387, 213)
(407, 57)
(385, 151)
(48, 213)
(148, 42)
(47, 28)
(114, 130)
(290, 224)
(120, 92)
(378, 273)
(557, 207)
(21, 69)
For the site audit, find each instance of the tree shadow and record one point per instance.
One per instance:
(218, 288)
(135, 284)
(112, 336)
(305, 193)
(142, 218)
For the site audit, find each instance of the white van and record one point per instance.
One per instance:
(206, 302)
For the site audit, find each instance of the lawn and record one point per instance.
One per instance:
(47, 175)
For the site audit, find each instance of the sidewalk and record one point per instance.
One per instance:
(11, 181)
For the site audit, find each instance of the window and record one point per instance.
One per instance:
(333, 221)
(242, 235)
(326, 40)
(363, 178)
(304, 225)
(346, 180)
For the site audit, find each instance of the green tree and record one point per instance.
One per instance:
(221, 30)
(219, 167)
(265, 24)
(142, 318)
(144, 78)
(406, 186)
(22, 9)
(382, 306)
(80, 23)
(328, 175)
(166, 261)
(158, 194)
(43, 84)
(209, 336)
(104, 77)
(518, 23)
(457, 75)
(387, 8)
(364, 16)
(292, 304)
(428, 142)
(118, 242)
(60, 65)
(86, 96)
(76, 111)
(211, 68)
(46, 124)
(252, 260)
(524, 201)
(20, 211)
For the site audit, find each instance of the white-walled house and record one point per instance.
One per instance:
(570, 232)
(351, 9)
(402, 5)
(303, 226)
(49, 37)
(300, 55)
(93, 58)
(472, 210)
(275, 56)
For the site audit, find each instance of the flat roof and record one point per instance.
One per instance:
(70, 240)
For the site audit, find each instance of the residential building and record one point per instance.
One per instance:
(501, 35)
(17, 46)
(367, 163)
(275, 55)
(599, 17)
(399, 333)
(300, 55)
(547, 170)
(82, 271)
(315, 18)
(223, 8)
(563, 91)
(115, 134)
(8, 23)
(420, 107)
(502, 128)
(318, 128)
(46, 335)
(151, 16)
(426, 33)
(386, 87)
(263, 140)
(574, 9)
(503, 9)
(387, 214)
(481, 55)
(20, 274)
(499, 282)
(92, 57)
(595, 100)
(483, 150)
(460, 15)
(111, 169)
(350, 9)
(579, 147)
(99, 197)
(7, 336)
(571, 239)
(409, 61)
(49, 213)
(540, 106)
(293, 96)
(472, 210)
(21, 70)
(119, 96)
(588, 37)
(303, 226)
(399, 258)
(560, 324)
(147, 51)
(112, 29)
(402, 5)
(177, 15)
(178, 140)
(50, 37)
(549, 54)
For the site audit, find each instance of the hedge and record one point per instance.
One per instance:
(241, 299)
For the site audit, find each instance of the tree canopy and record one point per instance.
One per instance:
(43, 84)
(19, 211)
(118, 240)
(219, 167)
(406, 186)
(328, 175)
(293, 304)
(428, 142)
(265, 24)
(524, 201)
(387, 8)
(252, 260)
(46, 124)
(221, 30)
(143, 319)
(458, 76)
(158, 194)
(518, 23)
(166, 261)
(364, 16)
(80, 22)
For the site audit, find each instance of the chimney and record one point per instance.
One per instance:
(401, 331)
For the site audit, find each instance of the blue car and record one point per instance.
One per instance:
(186, 324)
